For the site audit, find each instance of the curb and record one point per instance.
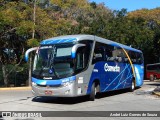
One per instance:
(156, 93)
(16, 88)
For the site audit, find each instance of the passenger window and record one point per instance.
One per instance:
(80, 60)
(139, 58)
(109, 53)
(136, 57)
(119, 54)
(132, 56)
(99, 53)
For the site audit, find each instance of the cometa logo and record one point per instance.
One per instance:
(108, 68)
(47, 78)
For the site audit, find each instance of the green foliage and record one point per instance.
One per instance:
(17, 77)
(149, 32)
(140, 28)
(24, 28)
(32, 43)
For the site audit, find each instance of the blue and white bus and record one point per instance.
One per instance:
(76, 65)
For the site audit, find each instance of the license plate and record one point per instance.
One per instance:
(48, 92)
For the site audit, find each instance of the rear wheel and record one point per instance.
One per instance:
(93, 92)
(132, 88)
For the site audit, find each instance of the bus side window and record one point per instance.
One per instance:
(118, 54)
(139, 58)
(80, 60)
(132, 56)
(98, 54)
(136, 57)
(83, 55)
(126, 60)
(108, 53)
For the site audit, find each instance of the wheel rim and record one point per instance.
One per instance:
(132, 85)
(95, 90)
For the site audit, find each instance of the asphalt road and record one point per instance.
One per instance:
(139, 100)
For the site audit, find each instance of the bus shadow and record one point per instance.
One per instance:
(111, 93)
(154, 84)
(75, 100)
(61, 100)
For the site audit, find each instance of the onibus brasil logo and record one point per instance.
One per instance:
(108, 68)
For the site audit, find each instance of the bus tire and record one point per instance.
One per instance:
(132, 88)
(151, 78)
(93, 92)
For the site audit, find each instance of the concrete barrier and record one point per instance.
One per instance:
(16, 88)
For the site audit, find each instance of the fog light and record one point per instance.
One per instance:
(67, 92)
(66, 84)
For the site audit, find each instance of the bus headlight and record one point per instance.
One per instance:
(67, 83)
(34, 84)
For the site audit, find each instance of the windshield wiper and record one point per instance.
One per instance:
(51, 62)
(42, 69)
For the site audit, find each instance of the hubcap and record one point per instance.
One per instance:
(95, 90)
(132, 85)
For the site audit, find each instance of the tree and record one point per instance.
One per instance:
(152, 21)
(132, 32)
(13, 27)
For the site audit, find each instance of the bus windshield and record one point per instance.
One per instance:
(51, 62)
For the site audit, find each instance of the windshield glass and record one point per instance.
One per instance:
(53, 62)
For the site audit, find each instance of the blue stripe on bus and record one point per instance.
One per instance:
(56, 41)
(121, 81)
(139, 70)
(121, 76)
(53, 82)
(111, 80)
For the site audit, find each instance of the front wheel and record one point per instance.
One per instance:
(93, 92)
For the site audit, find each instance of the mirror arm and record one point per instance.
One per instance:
(74, 49)
(28, 51)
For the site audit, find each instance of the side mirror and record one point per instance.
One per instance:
(28, 51)
(74, 49)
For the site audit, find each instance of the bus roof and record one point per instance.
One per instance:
(76, 38)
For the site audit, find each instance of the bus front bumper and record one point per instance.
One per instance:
(61, 91)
